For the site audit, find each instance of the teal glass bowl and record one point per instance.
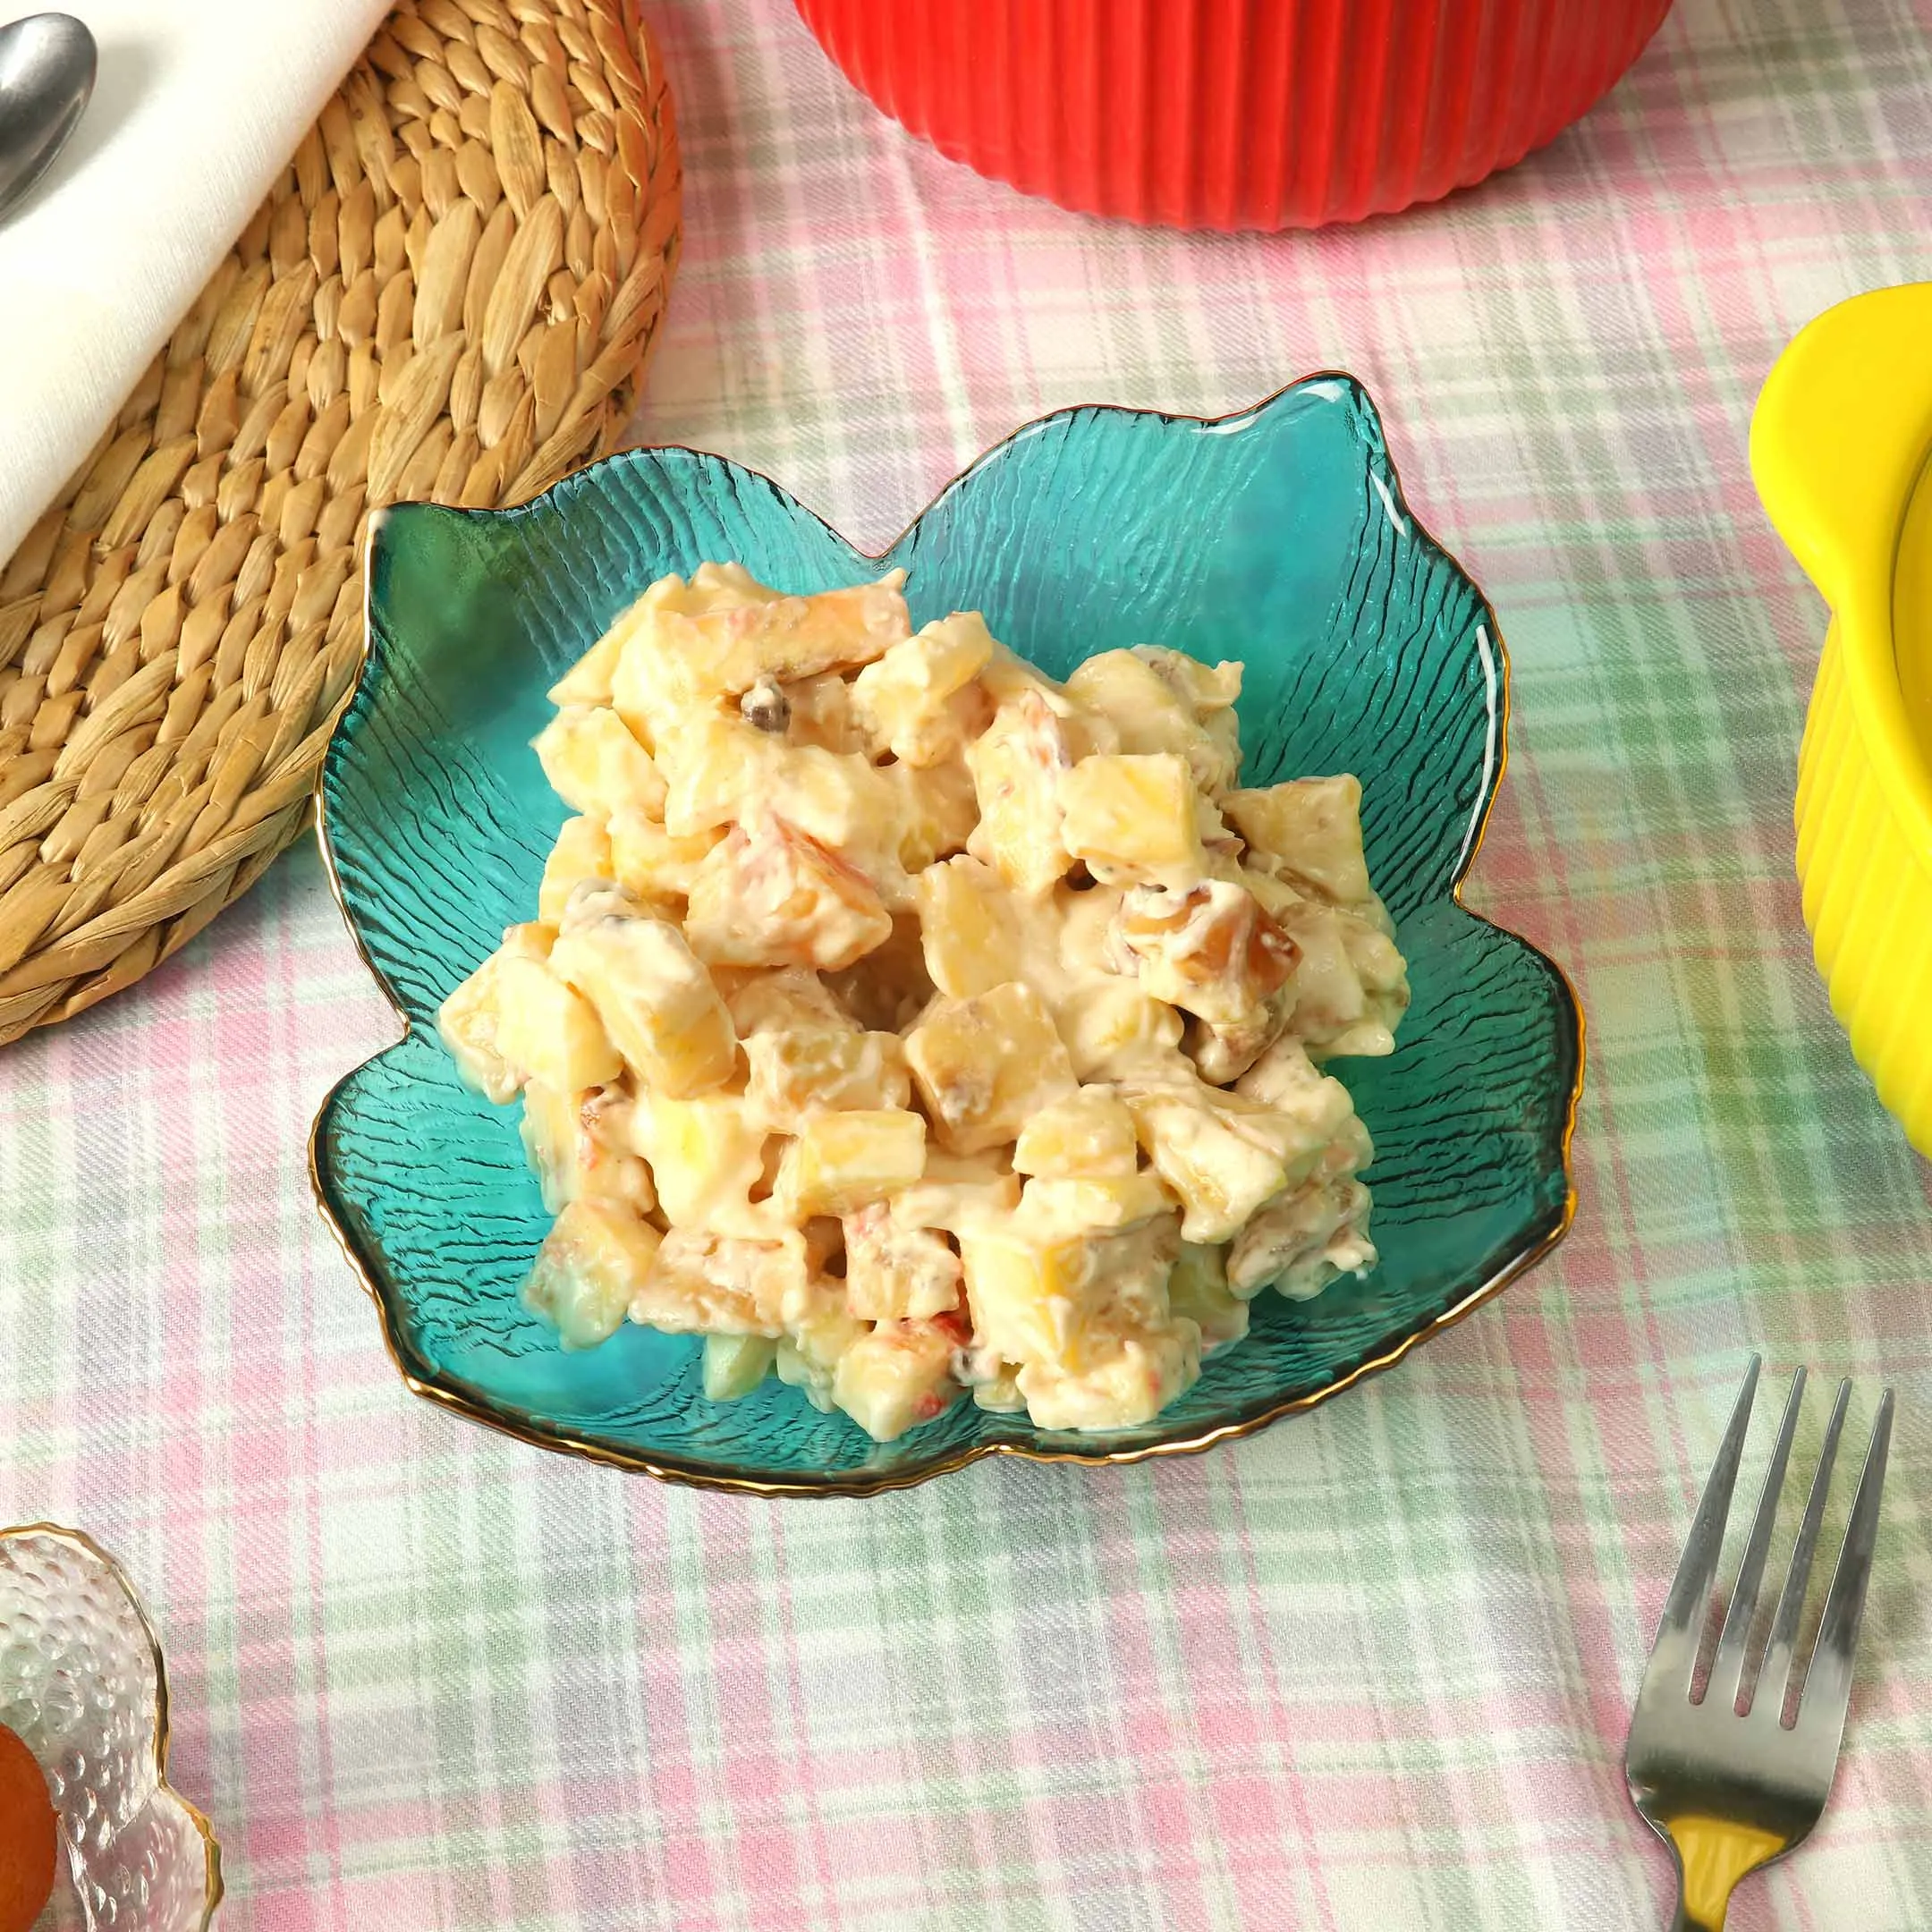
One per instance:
(1277, 536)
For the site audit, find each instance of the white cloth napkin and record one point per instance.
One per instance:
(198, 106)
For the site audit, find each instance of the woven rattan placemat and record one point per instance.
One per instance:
(451, 293)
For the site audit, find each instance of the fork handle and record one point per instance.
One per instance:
(1712, 1855)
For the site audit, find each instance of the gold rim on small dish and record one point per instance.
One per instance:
(565, 1441)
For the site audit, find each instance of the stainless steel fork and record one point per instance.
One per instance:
(1728, 1791)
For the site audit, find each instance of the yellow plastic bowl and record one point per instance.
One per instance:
(1839, 450)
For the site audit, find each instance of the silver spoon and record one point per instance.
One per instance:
(47, 72)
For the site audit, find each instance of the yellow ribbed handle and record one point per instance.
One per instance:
(1840, 434)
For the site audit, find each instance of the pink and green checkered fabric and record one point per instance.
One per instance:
(1371, 1670)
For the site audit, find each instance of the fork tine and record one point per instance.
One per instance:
(1674, 1654)
(1827, 1691)
(1769, 1695)
(1727, 1667)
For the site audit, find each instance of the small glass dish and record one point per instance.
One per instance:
(1277, 536)
(82, 1685)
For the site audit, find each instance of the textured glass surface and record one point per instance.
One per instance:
(1277, 536)
(80, 1683)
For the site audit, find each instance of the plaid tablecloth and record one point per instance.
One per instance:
(1369, 1671)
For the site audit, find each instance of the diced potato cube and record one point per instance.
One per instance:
(1210, 691)
(960, 1194)
(706, 1156)
(1208, 949)
(735, 1364)
(715, 587)
(1350, 1151)
(903, 699)
(590, 680)
(657, 1003)
(680, 655)
(1127, 1386)
(778, 1002)
(985, 1066)
(468, 1020)
(896, 1274)
(582, 851)
(819, 1331)
(811, 1068)
(651, 678)
(1095, 1205)
(839, 1161)
(655, 864)
(968, 944)
(1028, 1296)
(713, 763)
(1285, 1080)
(1112, 1031)
(895, 1376)
(1292, 1137)
(1300, 1242)
(722, 771)
(1008, 679)
(1039, 1295)
(1128, 1289)
(1086, 1135)
(1150, 715)
(1131, 816)
(1147, 712)
(772, 895)
(595, 766)
(650, 693)
(1017, 765)
(1198, 1292)
(573, 1140)
(546, 1031)
(819, 711)
(707, 1284)
(1207, 689)
(1274, 894)
(1351, 985)
(531, 940)
(788, 638)
(999, 1393)
(1384, 975)
(1313, 826)
(935, 808)
(589, 1268)
(1220, 1175)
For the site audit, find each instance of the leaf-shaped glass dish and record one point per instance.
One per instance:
(1277, 536)
(82, 1685)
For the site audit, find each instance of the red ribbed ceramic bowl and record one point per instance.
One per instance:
(1236, 114)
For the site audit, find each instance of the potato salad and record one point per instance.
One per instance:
(918, 1028)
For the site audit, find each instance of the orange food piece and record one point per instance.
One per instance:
(1211, 950)
(27, 1836)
